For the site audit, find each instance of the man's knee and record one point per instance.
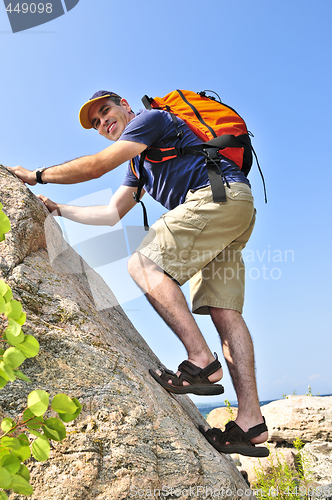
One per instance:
(139, 265)
(136, 263)
(224, 315)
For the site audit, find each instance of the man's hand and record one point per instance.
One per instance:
(27, 176)
(50, 205)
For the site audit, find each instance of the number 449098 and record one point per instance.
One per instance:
(32, 8)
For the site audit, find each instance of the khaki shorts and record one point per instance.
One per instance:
(201, 241)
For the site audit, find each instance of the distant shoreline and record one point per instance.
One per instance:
(205, 409)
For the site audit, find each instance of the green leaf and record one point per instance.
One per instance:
(24, 452)
(3, 382)
(8, 295)
(54, 429)
(12, 340)
(68, 417)
(35, 433)
(5, 478)
(41, 449)
(3, 451)
(22, 319)
(38, 402)
(7, 424)
(4, 223)
(6, 372)
(3, 495)
(2, 304)
(13, 327)
(21, 376)
(29, 346)
(24, 472)
(28, 414)
(3, 287)
(14, 309)
(23, 439)
(14, 333)
(10, 443)
(62, 403)
(13, 357)
(21, 485)
(11, 463)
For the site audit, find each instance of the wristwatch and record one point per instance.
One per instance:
(38, 175)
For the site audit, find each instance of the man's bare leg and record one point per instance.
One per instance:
(167, 299)
(239, 355)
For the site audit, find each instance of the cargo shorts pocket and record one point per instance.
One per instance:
(180, 233)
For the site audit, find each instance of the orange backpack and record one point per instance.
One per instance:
(208, 119)
(221, 129)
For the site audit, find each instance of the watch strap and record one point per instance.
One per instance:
(38, 176)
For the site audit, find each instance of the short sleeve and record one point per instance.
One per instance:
(130, 179)
(147, 127)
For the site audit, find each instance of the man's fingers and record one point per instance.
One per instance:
(27, 176)
(42, 197)
(15, 169)
(50, 205)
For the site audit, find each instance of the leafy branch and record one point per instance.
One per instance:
(15, 446)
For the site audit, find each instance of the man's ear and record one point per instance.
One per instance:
(125, 105)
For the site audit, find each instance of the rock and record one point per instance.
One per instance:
(305, 417)
(317, 461)
(323, 492)
(132, 436)
(219, 417)
(319, 454)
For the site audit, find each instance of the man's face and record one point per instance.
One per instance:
(109, 119)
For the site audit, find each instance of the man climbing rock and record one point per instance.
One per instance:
(198, 239)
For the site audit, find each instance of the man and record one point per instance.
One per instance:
(197, 240)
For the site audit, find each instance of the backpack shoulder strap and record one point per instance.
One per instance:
(137, 195)
(133, 167)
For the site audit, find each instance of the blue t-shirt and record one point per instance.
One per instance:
(169, 181)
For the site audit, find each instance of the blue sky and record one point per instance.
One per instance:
(271, 61)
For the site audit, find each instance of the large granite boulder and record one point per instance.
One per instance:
(132, 437)
(219, 417)
(308, 418)
(305, 417)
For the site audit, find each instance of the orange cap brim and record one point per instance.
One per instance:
(84, 112)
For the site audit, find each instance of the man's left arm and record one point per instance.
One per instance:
(84, 168)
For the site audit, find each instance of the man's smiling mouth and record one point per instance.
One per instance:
(111, 127)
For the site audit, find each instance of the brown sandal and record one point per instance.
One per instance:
(195, 376)
(238, 439)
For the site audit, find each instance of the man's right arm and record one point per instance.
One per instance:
(85, 168)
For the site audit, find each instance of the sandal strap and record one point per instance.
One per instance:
(256, 430)
(167, 375)
(190, 373)
(234, 434)
(191, 369)
(212, 367)
(217, 435)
